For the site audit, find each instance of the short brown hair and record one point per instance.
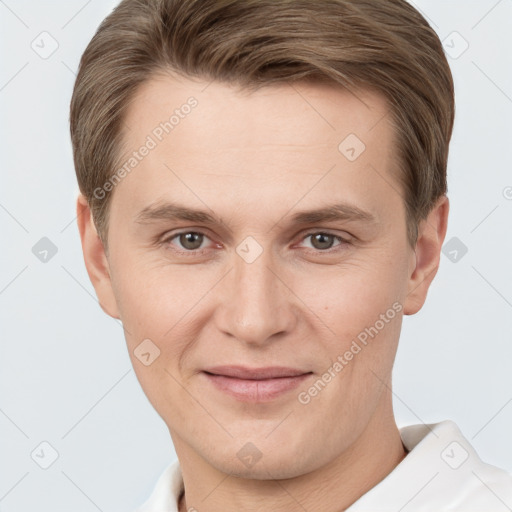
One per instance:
(383, 45)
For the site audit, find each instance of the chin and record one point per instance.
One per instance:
(267, 468)
(261, 460)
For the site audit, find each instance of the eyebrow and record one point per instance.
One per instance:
(334, 212)
(173, 211)
(339, 211)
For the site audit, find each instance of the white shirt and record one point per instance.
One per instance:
(441, 473)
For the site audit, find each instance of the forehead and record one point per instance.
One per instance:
(278, 141)
(321, 111)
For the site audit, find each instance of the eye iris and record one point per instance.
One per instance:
(191, 240)
(319, 241)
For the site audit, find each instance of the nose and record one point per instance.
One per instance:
(256, 305)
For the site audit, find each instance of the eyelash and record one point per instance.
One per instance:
(194, 252)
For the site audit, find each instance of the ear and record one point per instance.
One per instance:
(95, 258)
(426, 256)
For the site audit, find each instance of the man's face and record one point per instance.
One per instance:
(255, 286)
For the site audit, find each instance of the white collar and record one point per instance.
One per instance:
(441, 472)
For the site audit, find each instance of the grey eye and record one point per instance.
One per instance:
(191, 240)
(322, 240)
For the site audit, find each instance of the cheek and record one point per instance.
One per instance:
(352, 297)
(164, 305)
(156, 308)
(151, 297)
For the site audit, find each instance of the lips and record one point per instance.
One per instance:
(255, 384)
(242, 372)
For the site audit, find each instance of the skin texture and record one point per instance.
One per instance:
(254, 160)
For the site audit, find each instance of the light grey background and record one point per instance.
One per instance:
(65, 375)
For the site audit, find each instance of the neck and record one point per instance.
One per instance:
(332, 488)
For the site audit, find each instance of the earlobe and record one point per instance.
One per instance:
(431, 234)
(95, 259)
